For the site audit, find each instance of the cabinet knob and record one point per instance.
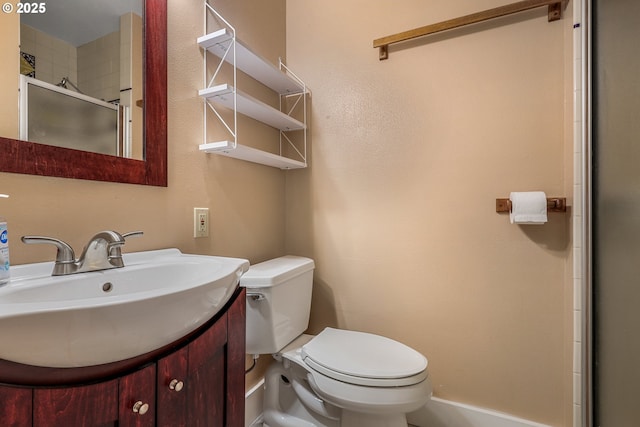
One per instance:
(140, 408)
(176, 385)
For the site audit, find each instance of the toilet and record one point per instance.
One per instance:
(338, 378)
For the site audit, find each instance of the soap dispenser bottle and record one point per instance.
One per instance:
(4, 249)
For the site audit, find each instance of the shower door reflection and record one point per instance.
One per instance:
(60, 117)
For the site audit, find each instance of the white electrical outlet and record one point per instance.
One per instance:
(200, 222)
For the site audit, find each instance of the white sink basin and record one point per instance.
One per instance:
(106, 316)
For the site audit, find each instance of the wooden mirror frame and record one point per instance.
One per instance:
(37, 159)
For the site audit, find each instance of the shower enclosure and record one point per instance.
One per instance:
(54, 115)
(616, 213)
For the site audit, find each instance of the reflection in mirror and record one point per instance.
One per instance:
(81, 66)
(49, 115)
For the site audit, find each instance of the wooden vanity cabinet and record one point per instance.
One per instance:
(16, 409)
(196, 382)
(171, 393)
(75, 406)
(137, 398)
(192, 380)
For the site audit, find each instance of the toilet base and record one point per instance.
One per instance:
(290, 402)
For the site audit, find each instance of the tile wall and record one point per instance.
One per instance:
(55, 58)
(99, 67)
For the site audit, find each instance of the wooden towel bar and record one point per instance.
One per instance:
(555, 8)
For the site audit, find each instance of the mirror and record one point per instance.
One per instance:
(39, 159)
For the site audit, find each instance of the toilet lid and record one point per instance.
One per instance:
(362, 358)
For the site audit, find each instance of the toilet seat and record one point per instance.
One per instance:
(365, 359)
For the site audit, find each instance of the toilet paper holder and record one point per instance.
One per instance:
(554, 204)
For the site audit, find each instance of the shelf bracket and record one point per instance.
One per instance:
(554, 13)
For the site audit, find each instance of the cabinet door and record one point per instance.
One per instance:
(172, 390)
(137, 398)
(88, 406)
(15, 407)
(236, 347)
(206, 380)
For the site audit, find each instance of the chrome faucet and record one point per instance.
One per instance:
(103, 252)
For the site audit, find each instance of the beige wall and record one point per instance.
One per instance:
(246, 201)
(9, 83)
(398, 207)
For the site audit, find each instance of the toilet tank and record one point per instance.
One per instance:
(278, 302)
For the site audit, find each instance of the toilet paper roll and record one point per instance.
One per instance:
(528, 207)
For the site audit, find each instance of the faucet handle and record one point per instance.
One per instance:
(65, 257)
(114, 248)
(65, 252)
(132, 234)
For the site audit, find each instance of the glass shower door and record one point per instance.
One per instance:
(616, 212)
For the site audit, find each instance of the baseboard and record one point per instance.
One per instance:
(437, 413)
(253, 405)
(444, 413)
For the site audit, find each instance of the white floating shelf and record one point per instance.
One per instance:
(249, 154)
(266, 73)
(251, 107)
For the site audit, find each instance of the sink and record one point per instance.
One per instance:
(107, 316)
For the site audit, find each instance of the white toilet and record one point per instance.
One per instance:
(338, 378)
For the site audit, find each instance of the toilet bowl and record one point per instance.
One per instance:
(337, 378)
